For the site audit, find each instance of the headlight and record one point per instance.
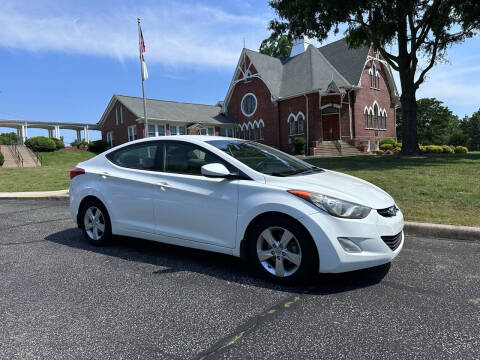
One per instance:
(333, 206)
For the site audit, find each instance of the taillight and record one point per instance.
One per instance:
(75, 172)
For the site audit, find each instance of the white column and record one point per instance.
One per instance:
(57, 131)
(79, 135)
(23, 134)
(50, 133)
(19, 135)
(85, 131)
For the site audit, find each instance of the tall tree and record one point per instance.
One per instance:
(435, 122)
(277, 45)
(417, 30)
(471, 127)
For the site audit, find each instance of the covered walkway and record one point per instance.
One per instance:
(52, 127)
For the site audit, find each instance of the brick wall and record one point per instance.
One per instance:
(120, 132)
(366, 96)
(266, 109)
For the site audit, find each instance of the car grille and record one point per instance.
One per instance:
(393, 242)
(388, 212)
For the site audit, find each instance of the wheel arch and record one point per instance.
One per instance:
(82, 204)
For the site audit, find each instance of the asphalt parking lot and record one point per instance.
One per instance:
(61, 298)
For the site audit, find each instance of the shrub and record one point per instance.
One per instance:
(447, 149)
(79, 143)
(388, 140)
(8, 138)
(388, 152)
(59, 144)
(461, 149)
(98, 146)
(399, 144)
(386, 146)
(379, 152)
(458, 138)
(2, 159)
(433, 149)
(299, 145)
(397, 150)
(41, 143)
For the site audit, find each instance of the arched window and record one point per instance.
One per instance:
(260, 128)
(370, 118)
(257, 131)
(300, 120)
(251, 132)
(375, 113)
(292, 123)
(365, 116)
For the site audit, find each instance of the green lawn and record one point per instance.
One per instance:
(53, 175)
(439, 189)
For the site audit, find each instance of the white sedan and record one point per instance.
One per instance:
(288, 218)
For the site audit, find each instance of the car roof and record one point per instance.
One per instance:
(203, 138)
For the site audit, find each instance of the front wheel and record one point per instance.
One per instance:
(96, 223)
(282, 250)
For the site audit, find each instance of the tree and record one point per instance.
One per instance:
(471, 127)
(435, 122)
(8, 138)
(278, 46)
(418, 29)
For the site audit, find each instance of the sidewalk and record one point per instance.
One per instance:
(57, 194)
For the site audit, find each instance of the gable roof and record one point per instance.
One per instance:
(309, 71)
(312, 70)
(349, 62)
(171, 111)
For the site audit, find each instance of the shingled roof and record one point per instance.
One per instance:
(174, 111)
(349, 62)
(311, 70)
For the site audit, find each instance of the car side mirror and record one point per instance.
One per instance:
(215, 170)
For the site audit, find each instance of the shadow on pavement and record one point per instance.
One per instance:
(173, 259)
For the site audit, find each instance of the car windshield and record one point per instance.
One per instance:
(264, 159)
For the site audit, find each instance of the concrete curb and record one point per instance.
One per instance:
(442, 231)
(35, 195)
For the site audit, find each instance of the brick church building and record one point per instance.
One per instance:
(327, 94)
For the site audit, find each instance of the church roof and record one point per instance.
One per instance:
(172, 111)
(311, 70)
(349, 62)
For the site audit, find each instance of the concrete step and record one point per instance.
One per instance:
(7, 154)
(330, 149)
(29, 158)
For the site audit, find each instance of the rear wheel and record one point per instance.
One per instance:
(282, 250)
(96, 223)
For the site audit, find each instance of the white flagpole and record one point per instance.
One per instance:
(143, 85)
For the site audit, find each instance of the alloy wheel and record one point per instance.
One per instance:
(94, 223)
(279, 251)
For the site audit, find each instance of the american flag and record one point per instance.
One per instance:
(142, 50)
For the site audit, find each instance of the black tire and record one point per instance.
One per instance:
(106, 234)
(305, 272)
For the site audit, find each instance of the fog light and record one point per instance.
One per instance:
(348, 245)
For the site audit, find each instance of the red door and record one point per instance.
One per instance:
(331, 127)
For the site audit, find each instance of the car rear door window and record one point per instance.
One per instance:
(143, 156)
(186, 158)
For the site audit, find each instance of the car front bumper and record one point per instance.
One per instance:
(366, 233)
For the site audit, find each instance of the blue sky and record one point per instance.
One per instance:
(63, 60)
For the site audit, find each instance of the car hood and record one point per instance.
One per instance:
(338, 185)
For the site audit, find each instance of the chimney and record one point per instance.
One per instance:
(300, 45)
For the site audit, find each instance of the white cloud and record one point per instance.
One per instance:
(176, 33)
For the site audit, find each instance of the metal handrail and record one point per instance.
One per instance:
(338, 145)
(38, 158)
(16, 154)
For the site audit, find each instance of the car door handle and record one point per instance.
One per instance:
(164, 185)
